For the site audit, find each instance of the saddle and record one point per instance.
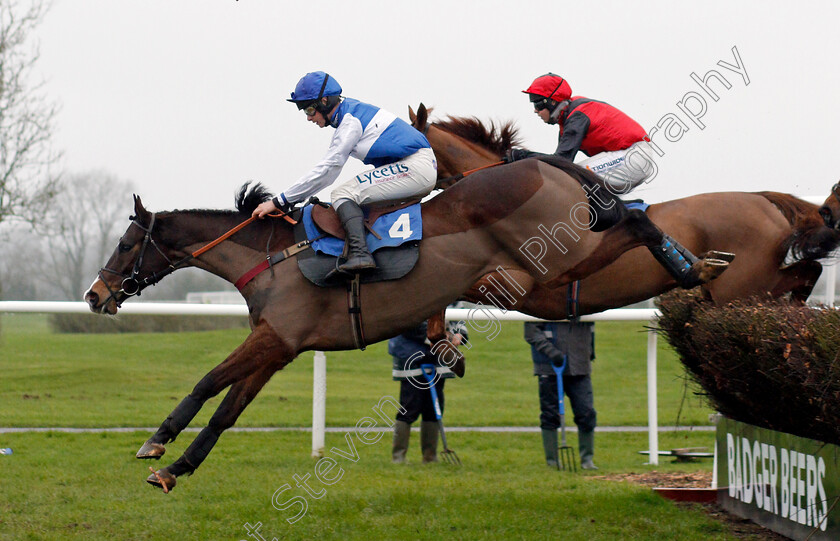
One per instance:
(394, 233)
(326, 219)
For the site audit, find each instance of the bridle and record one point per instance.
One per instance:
(132, 284)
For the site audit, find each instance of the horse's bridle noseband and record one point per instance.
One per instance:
(132, 284)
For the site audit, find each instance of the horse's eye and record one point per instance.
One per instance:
(123, 247)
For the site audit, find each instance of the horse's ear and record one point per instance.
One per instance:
(139, 210)
(411, 116)
(422, 117)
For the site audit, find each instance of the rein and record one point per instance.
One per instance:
(133, 285)
(460, 176)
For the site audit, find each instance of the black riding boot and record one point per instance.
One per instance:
(358, 256)
(677, 260)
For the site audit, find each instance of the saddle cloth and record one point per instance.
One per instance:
(393, 239)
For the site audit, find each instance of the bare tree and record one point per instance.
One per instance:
(89, 211)
(26, 115)
(21, 265)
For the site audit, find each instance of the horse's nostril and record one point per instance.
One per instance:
(92, 298)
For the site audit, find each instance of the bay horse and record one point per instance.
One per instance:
(777, 238)
(492, 219)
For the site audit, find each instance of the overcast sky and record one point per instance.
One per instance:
(187, 98)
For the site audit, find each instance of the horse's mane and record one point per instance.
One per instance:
(811, 238)
(249, 196)
(498, 139)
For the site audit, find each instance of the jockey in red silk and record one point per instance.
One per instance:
(616, 144)
(617, 147)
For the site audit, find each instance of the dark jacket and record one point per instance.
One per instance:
(411, 349)
(552, 341)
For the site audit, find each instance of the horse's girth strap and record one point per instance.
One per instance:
(354, 308)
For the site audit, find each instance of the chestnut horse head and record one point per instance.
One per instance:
(463, 143)
(830, 209)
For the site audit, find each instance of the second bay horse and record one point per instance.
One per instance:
(777, 238)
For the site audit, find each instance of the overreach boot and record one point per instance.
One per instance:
(358, 256)
(549, 438)
(678, 261)
(429, 440)
(402, 431)
(586, 446)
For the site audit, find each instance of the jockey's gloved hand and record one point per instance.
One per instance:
(284, 208)
(516, 154)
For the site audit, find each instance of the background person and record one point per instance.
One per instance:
(552, 342)
(408, 351)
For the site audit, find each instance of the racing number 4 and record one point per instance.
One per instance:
(401, 228)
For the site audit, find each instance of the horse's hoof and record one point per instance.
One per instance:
(711, 268)
(714, 254)
(151, 450)
(162, 479)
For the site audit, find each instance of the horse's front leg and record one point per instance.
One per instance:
(234, 403)
(262, 347)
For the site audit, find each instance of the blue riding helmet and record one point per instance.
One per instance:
(313, 86)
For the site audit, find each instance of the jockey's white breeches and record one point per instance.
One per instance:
(623, 170)
(412, 177)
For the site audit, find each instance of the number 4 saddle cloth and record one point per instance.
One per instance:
(393, 238)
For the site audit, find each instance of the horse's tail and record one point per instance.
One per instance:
(810, 239)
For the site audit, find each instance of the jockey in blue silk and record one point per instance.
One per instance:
(403, 163)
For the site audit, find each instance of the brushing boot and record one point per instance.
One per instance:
(549, 439)
(678, 261)
(358, 256)
(402, 431)
(429, 440)
(586, 446)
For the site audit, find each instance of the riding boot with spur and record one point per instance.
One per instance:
(677, 260)
(586, 446)
(402, 432)
(429, 440)
(358, 256)
(549, 439)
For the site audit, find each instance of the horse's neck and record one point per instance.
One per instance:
(461, 154)
(232, 257)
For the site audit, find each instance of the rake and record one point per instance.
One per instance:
(449, 455)
(567, 453)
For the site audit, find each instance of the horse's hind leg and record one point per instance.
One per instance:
(240, 395)
(262, 347)
(635, 229)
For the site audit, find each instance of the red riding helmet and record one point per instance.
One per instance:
(549, 86)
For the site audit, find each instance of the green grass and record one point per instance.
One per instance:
(82, 486)
(89, 486)
(137, 379)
